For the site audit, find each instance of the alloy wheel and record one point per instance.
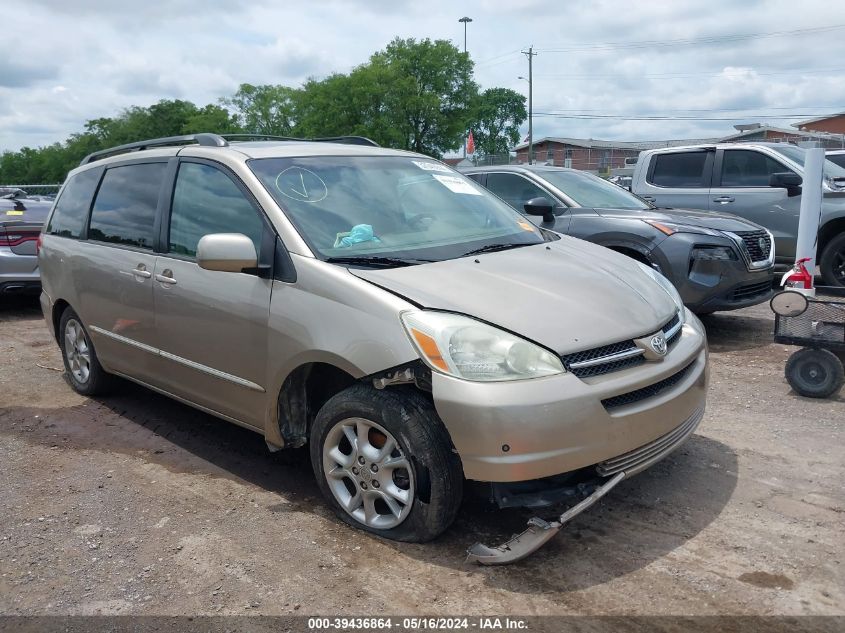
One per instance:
(77, 351)
(368, 473)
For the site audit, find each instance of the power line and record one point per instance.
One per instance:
(814, 107)
(633, 117)
(696, 40)
(740, 73)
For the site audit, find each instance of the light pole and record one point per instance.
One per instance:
(530, 53)
(466, 20)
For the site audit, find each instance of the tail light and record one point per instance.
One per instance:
(15, 238)
(38, 243)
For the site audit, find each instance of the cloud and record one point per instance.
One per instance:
(107, 56)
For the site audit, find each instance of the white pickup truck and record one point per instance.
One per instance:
(757, 181)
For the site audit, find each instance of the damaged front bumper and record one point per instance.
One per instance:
(615, 469)
(538, 533)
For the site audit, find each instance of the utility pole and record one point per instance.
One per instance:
(466, 20)
(530, 54)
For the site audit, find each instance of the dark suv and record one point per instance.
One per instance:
(716, 261)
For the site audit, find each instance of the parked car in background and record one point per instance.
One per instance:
(836, 156)
(21, 219)
(758, 181)
(716, 261)
(410, 326)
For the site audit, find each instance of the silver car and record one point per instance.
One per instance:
(21, 219)
(416, 331)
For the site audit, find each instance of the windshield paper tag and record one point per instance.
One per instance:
(457, 185)
(431, 166)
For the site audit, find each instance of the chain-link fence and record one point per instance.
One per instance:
(44, 192)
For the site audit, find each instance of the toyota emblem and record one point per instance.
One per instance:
(658, 344)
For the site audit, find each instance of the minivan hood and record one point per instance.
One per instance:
(707, 219)
(566, 295)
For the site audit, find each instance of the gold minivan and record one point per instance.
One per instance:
(410, 326)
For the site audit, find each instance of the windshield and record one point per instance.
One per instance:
(381, 207)
(591, 191)
(796, 154)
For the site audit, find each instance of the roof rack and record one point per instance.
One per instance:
(208, 139)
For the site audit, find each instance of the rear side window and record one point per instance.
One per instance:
(207, 201)
(747, 168)
(680, 169)
(72, 207)
(125, 208)
(513, 189)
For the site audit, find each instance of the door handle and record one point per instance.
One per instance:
(141, 271)
(648, 198)
(724, 199)
(166, 277)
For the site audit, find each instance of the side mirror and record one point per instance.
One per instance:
(541, 206)
(786, 180)
(226, 252)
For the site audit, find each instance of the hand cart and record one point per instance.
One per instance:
(817, 325)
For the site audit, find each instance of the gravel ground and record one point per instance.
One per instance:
(135, 504)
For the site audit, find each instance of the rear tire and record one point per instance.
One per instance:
(82, 366)
(815, 373)
(832, 261)
(385, 463)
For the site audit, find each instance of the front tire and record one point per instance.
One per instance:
(385, 463)
(82, 366)
(832, 261)
(815, 373)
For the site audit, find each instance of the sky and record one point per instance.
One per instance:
(601, 66)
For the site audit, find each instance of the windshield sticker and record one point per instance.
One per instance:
(13, 212)
(303, 185)
(526, 226)
(431, 166)
(457, 185)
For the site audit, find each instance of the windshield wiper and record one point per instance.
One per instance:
(377, 261)
(492, 248)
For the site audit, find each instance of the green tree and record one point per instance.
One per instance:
(212, 118)
(427, 100)
(498, 113)
(264, 109)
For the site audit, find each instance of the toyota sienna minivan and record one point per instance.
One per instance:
(412, 328)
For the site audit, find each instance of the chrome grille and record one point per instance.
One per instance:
(758, 244)
(616, 356)
(642, 457)
(647, 392)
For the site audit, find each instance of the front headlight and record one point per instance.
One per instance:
(465, 348)
(667, 286)
(670, 228)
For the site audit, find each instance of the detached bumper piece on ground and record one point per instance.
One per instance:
(539, 532)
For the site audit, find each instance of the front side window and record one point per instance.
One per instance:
(72, 207)
(591, 191)
(125, 208)
(207, 201)
(747, 168)
(514, 189)
(680, 170)
(389, 206)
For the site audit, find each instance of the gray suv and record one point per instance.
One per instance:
(409, 326)
(716, 261)
(758, 181)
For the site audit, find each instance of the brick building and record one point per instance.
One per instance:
(591, 154)
(832, 124)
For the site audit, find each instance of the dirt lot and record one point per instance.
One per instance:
(135, 504)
